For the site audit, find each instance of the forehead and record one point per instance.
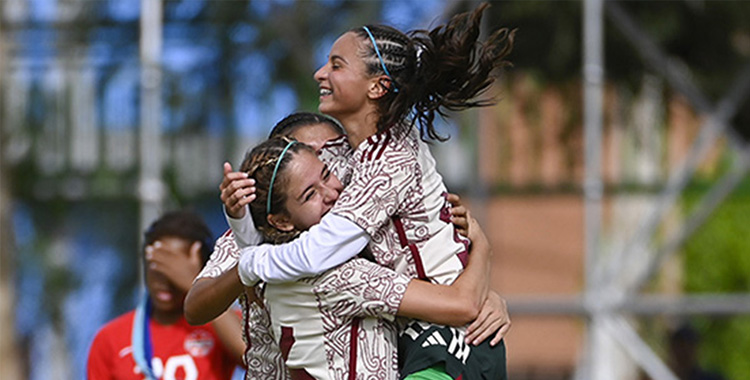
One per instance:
(303, 166)
(348, 44)
(314, 132)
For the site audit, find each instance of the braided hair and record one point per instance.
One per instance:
(294, 121)
(433, 72)
(259, 163)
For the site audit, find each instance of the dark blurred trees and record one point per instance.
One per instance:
(711, 37)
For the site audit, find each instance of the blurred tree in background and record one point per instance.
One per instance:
(717, 261)
(69, 72)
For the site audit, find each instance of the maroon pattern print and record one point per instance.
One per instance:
(396, 195)
(262, 356)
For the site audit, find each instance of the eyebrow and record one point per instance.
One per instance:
(334, 57)
(325, 167)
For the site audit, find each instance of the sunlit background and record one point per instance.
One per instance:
(611, 176)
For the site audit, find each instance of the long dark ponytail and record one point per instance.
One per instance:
(433, 72)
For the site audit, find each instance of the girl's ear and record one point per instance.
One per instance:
(378, 87)
(280, 221)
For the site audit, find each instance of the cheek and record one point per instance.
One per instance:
(312, 214)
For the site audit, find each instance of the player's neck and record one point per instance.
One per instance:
(360, 127)
(164, 317)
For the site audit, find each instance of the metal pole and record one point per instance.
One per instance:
(703, 210)
(593, 77)
(639, 350)
(150, 187)
(711, 130)
(715, 304)
(9, 347)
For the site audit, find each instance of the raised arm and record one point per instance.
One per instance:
(217, 286)
(237, 191)
(326, 245)
(381, 292)
(456, 304)
(459, 303)
(209, 297)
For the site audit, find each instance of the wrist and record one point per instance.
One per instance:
(237, 215)
(244, 270)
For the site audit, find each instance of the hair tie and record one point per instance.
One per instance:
(382, 63)
(273, 177)
(420, 49)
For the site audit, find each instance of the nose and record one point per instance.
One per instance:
(321, 73)
(331, 194)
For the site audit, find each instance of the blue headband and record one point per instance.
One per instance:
(273, 177)
(382, 63)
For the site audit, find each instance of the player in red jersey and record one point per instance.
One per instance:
(154, 341)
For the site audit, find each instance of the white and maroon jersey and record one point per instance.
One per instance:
(262, 356)
(397, 196)
(339, 325)
(335, 153)
(180, 351)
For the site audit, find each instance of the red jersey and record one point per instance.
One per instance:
(181, 352)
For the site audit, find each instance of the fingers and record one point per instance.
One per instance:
(225, 181)
(453, 199)
(233, 182)
(177, 263)
(487, 322)
(493, 318)
(459, 218)
(488, 329)
(236, 191)
(155, 256)
(500, 334)
(459, 215)
(476, 328)
(195, 253)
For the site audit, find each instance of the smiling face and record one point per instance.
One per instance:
(311, 191)
(165, 297)
(343, 80)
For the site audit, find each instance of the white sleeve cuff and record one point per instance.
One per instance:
(244, 265)
(245, 233)
(326, 245)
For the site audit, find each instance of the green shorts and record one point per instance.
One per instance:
(424, 346)
(433, 373)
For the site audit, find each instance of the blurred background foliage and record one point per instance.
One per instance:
(726, 269)
(233, 68)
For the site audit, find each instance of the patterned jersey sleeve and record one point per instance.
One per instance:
(335, 153)
(379, 188)
(243, 229)
(225, 255)
(360, 288)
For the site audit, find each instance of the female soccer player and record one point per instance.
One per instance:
(385, 87)
(339, 324)
(217, 286)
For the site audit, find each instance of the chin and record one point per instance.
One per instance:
(164, 306)
(323, 109)
(326, 108)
